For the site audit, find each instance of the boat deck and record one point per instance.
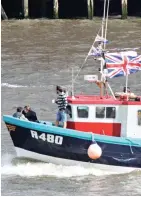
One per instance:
(95, 99)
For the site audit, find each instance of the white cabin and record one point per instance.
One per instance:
(105, 116)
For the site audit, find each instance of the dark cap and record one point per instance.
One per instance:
(19, 109)
(59, 89)
(128, 89)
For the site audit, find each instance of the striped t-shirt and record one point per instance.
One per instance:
(61, 101)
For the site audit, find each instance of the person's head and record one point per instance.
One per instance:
(27, 108)
(19, 109)
(59, 89)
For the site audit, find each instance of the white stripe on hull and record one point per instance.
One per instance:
(67, 162)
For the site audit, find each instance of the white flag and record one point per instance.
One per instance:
(100, 39)
(94, 52)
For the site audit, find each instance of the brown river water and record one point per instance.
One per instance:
(37, 55)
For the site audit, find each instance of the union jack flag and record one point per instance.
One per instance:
(120, 64)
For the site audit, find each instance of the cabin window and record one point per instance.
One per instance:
(69, 111)
(105, 112)
(110, 112)
(100, 112)
(82, 111)
(139, 117)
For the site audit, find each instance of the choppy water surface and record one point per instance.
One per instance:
(37, 55)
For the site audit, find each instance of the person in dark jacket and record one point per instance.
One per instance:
(29, 114)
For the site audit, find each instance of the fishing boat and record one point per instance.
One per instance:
(102, 130)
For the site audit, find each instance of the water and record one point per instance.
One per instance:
(37, 55)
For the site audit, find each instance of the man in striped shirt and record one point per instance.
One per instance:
(62, 102)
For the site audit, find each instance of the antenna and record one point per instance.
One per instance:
(72, 84)
(102, 35)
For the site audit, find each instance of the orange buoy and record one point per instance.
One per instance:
(94, 151)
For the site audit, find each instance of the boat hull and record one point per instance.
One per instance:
(41, 142)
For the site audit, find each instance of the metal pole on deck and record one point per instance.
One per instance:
(124, 9)
(3, 13)
(25, 8)
(90, 8)
(55, 8)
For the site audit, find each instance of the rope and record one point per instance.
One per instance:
(103, 23)
(73, 81)
(101, 29)
(130, 146)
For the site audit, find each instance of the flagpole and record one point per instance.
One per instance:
(127, 85)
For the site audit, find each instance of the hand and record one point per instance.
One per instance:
(53, 101)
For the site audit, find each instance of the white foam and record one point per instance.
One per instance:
(12, 85)
(25, 86)
(33, 169)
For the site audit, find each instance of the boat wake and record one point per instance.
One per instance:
(12, 166)
(12, 85)
(24, 86)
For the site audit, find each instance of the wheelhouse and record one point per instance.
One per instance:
(105, 116)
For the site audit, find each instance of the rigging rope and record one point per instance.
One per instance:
(102, 32)
(83, 62)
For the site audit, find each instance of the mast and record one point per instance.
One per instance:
(103, 19)
(102, 35)
(107, 14)
(126, 85)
